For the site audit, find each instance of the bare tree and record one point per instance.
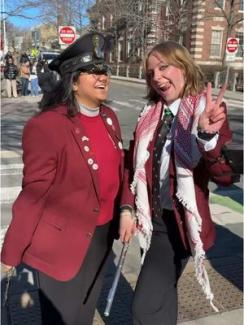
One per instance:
(50, 13)
(56, 12)
(71, 12)
(177, 20)
(131, 19)
(15, 8)
(109, 16)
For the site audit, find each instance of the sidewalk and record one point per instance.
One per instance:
(225, 268)
(224, 265)
(234, 317)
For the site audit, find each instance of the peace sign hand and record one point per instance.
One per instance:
(214, 114)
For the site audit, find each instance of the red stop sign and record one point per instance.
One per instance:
(232, 45)
(67, 34)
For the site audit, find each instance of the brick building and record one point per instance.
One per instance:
(203, 26)
(209, 33)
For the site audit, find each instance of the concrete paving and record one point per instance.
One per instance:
(224, 264)
(234, 317)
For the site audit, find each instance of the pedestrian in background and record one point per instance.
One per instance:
(24, 58)
(34, 79)
(44, 73)
(62, 222)
(24, 77)
(39, 66)
(177, 149)
(10, 74)
(7, 56)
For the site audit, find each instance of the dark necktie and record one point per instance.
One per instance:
(163, 130)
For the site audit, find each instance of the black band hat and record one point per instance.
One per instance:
(86, 54)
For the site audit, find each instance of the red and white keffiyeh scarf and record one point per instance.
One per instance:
(187, 156)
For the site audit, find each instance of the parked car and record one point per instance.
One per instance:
(48, 55)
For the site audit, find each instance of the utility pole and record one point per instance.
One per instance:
(5, 41)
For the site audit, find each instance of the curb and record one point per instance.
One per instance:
(127, 79)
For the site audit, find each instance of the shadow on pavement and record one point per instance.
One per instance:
(234, 192)
(225, 273)
(23, 305)
(226, 256)
(120, 311)
(12, 125)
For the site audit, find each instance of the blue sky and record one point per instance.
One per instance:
(24, 23)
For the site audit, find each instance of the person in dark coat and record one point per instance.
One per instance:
(176, 151)
(10, 74)
(7, 56)
(63, 222)
(24, 58)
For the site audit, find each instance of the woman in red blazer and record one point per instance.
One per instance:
(73, 166)
(176, 151)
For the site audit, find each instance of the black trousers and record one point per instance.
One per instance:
(73, 302)
(155, 300)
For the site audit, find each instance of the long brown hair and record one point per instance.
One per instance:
(178, 56)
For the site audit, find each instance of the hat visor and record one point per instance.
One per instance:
(96, 68)
(54, 64)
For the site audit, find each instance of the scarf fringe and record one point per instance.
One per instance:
(203, 279)
(144, 242)
(187, 205)
(144, 228)
(198, 253)
(133, 184)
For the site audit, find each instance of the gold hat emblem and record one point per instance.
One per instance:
(95, 42)
(97, 48)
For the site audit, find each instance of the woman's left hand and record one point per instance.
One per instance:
(214, 114)
(127, 226)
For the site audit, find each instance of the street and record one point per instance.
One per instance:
(127, 99)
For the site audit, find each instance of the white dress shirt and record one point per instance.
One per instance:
(165, 157)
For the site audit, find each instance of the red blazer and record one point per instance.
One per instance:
(212, 166)
(55, 214)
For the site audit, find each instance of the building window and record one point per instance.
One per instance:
(120, 51)
(241, 5)
(220, 4)
(111, 57)
(239, 53)
(216, 43)
(129, 47)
